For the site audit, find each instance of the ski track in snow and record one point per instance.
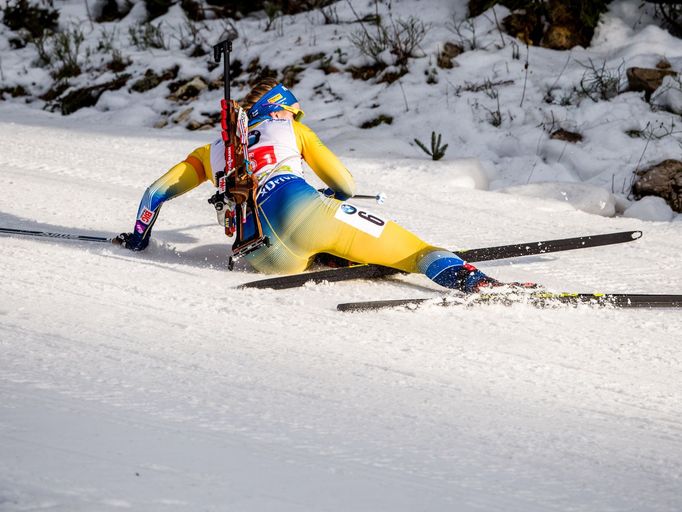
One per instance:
(149, 382)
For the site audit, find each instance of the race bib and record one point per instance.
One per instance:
(361, 219)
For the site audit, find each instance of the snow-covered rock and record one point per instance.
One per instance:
(650, 208)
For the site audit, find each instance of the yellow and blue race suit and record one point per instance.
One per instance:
(299, 221)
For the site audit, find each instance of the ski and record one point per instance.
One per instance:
(61, 236)
(471, 255)
(535, 299)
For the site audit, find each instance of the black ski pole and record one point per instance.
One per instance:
(380, 198)
(62, 236)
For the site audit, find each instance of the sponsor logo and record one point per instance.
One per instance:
(146, 216)
(254, 137)
(276, 98)
(229, 157)
(348, 208)
(139, 227)
(272, 184)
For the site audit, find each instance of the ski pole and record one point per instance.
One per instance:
(379, 198)
(62, 236)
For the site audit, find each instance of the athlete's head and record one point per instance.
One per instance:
(269, 98)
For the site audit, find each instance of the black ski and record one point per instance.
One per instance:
(62, 236)
(535, 299)
(471, 255)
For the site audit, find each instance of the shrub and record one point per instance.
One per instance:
(401, 37)
(66, 50)
(437, 151)
(600, 82)
(274, 12)
(22, 14)
(147, 36)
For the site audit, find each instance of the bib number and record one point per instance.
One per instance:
(262, 156)
(360, 219)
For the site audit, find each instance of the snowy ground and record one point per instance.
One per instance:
(141, 382)
(149, 382)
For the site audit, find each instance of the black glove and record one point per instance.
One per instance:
(329, 192)
(132, 241)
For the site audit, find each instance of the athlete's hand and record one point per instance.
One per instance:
(328, 192)
(131, 241)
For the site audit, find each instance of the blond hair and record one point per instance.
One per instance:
(257, 92)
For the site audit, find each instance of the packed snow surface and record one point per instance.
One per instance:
(149, 382)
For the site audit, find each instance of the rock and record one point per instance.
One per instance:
(14, 92)
(663, 64)
(554, 24)
(328, 67)
(88, 96)
(161, 123)
(565, 135)
(366, 72)
(528, 26)
(183, 116)
(290, 75)
(647, 79)
(561, 37)
(391, 74)
(662, 180)
(189, 90)
(55, 91)
(151, 79)
(449, 52)
(380, 119)
(309, 59)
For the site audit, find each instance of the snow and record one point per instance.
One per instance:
(148, 381)
(650, 208)
(587, 198)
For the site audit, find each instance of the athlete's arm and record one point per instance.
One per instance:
(325, 163)
(181, 178)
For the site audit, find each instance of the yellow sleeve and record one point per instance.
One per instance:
(321, 160)
(180, 178)
(200, 160)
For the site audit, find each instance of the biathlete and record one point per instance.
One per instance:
(299, 221)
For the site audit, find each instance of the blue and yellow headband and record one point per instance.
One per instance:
(277, 98)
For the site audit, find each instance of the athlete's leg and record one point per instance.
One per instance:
(300, 223)
(349, 232)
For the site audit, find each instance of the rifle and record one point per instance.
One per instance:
(237, 185)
